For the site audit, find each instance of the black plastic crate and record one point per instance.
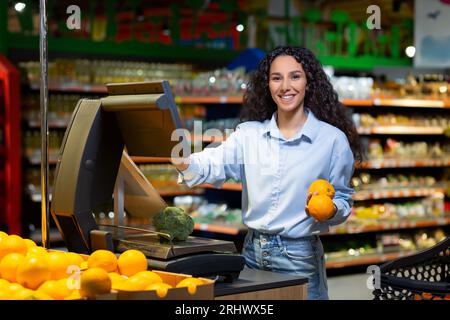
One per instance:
(421, 276)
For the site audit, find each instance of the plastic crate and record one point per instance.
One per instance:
(421, 276)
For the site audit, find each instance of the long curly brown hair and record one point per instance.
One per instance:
(320, 97)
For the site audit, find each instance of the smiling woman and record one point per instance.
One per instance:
(294, 122)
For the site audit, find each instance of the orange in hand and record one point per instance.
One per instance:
(322, 186)
(321, 207)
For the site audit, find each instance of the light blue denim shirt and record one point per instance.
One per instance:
(276, 172)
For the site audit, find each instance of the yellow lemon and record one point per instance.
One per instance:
(191, 283)
(94, 281)
(38, 250)
(58, 263)
(116, 280)
(30, 243)
(12, 288)
(12, 244)
(75, 258)
(160, 287)
(104, 259)
(131, 262)
(9, 265)
(3, 282)
(33, 271)
(75, 295)
(150, 276)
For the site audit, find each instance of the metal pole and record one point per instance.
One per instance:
(45, 214)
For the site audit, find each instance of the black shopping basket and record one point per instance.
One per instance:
(421, 276)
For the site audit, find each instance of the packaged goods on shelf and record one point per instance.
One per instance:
(422, 86)
(60, 108)
(32, 145)
(76, 72)
(367, 181)
(365, 120)
(163, 177)
(428, 207)
(353, 87)
(394, 149)
(209, 213)
(220, 82)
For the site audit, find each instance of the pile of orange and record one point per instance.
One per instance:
(28, 271)
(320, 205)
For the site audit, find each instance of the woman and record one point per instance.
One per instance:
(294, 131)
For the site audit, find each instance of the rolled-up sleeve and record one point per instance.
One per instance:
(215, 165)
(341, 171)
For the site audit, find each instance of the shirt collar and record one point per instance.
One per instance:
(310, 127)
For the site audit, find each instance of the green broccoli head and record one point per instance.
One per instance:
(174, 221)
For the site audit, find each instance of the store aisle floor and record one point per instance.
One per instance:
(349, 287)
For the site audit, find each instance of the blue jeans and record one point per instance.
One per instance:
(303, 257)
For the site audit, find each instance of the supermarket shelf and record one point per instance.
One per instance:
(357, 102)
(218, 228)
(402, 130)
(209, 99)
(150, 160)
(403, 163)
(368, 259)
(411, 103)
(395, 193)
(351, 228)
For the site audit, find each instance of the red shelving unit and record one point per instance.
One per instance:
(10, 168)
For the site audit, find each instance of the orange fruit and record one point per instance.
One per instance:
(33, 271)
(30, 243)
(322, 187)
(3, 235)
(94, 281)
(3, 282)
(75, 295)
(131, 262)
(104, 259)
(191, 283)
(37, 250)
(9, 265)
(28, 294)
(135, 283)
(84, 265)
(58, 263)
(12, 244)
(160, 287)
(12, 288)
(321, 207)
(74, 258)
(116, 280)
(150, 276)
(57, 289)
